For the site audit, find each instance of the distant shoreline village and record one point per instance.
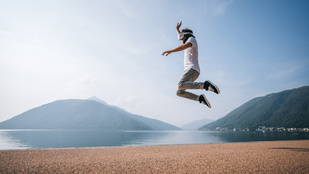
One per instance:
(260, 129)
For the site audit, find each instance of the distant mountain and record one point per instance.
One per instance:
(82, 114)
(94, 98)
(153, 123)
(288, 109)
(195, 125)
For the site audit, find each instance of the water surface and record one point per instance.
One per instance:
(45, 139)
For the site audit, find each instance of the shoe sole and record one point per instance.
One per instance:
(214, 86)
(207, 102)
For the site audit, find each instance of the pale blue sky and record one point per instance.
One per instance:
(74, 49)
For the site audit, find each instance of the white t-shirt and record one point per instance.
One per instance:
(191, 55)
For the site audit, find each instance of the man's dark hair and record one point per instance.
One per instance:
(187, 36)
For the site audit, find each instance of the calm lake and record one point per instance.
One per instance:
(45, 139)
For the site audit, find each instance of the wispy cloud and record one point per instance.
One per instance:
(84, 83)
(127, 8)
(282, 74)
(221, 8)
(284, 70)
(2, 32)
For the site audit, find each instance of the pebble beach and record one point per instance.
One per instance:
(258, 157)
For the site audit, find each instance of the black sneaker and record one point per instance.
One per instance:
(208, 86)
(203, 100)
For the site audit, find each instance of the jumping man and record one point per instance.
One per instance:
(191, 68)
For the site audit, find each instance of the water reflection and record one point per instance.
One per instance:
(177, 138)
(7, 142)
(42, 139)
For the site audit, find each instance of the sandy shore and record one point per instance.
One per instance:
(262, 157)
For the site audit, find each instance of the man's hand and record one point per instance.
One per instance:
(166, 52)
(178, 27)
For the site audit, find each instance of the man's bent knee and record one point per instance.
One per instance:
(180, 92)
(180, 86)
